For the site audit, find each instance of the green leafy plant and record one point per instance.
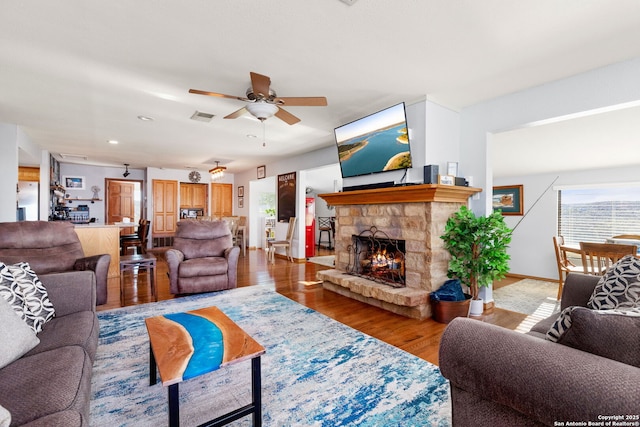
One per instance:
(270, 211)
(478, 248)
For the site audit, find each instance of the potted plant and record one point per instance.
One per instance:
(478, 248)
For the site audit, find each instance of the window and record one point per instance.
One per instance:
(598, 213)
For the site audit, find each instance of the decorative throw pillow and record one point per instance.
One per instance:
(16, 336)
(619, 287)
(614, 334)
(5, 417)
(10, 291)
(37, 307)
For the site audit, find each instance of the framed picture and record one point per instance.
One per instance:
(73, 182)
(446, 180)
(241, 202)
(262, 172)
(508, 199)
(452, 168)
(240, 191)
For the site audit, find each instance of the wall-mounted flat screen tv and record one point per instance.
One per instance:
(375, 143)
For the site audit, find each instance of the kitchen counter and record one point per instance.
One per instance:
(99, 239)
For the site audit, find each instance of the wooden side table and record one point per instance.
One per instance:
(130, 263)
(187, 345)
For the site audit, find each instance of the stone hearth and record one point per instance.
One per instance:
(416, 214)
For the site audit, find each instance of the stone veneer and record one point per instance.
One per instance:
(419, 223)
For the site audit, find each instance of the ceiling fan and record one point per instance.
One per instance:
(264, 103)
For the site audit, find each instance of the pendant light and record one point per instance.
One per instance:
(217, 172)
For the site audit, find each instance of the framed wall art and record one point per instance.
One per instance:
(262, 171)
(73, 182)
(240, 191)
(508, 199)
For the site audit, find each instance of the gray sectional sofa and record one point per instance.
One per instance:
(50, 385)
(500, 377)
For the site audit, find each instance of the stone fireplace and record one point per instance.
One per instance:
(415, 214)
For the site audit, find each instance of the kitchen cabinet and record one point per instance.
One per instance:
(101, 239)
(221, 200)
(193, 196)
(165, 207)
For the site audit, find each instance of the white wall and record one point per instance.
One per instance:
(8, 171)
(614, 86)
(531, 250)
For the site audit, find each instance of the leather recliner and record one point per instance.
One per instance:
(51, 247)
(203, 258)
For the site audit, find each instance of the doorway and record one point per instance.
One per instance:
(124, 200)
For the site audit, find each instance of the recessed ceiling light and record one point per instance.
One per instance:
(113, 141)
(145, 118)
(250, 135)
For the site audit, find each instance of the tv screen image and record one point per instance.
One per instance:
(375, 143)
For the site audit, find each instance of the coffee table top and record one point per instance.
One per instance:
(186, 345)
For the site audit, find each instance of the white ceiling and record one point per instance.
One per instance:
(76, 73)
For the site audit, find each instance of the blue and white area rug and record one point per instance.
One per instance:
(316, 371)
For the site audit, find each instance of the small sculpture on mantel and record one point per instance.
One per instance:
(95, 190)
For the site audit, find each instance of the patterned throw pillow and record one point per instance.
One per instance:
(37, 308)
(10, 291)
(613, 334)
(619, 288)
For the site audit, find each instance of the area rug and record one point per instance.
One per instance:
(532, 297)
(315, 372)
(327, 260)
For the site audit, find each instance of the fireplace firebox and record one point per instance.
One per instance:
(375, 256)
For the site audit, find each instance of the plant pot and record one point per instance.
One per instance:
(476, 307)
(446, 311)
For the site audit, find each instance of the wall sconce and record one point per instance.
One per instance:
(217, 172)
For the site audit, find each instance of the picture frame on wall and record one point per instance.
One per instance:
(73, 182)
(508, 199)
(240, 191)
(262, 171)
(241, 202)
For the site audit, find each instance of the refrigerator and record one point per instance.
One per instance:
(27, 209)
(310, 227)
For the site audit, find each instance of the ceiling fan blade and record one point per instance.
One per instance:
(302, 101)
(236, 113)
(260, 84)
(218, 95)
(286, 116)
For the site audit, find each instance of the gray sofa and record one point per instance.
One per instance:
(51, 247)
(500, 377)
(51, 384)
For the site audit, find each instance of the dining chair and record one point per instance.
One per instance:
(597, 258)
(565, 266)
(138, 240)
(286, 243)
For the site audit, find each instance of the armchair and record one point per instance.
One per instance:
(203, 258)
(51, 247)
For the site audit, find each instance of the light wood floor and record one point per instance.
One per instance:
(419, 337)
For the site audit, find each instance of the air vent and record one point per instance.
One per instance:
(202, 117)
(74, 156)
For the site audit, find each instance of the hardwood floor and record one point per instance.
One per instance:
(297, 281)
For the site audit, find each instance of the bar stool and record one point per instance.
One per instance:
(324, 226)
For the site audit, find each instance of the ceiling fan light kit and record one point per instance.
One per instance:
(263, 102)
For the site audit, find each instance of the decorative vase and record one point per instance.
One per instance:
(476, 307)
(446, 311)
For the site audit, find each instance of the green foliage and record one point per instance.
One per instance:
(478, 248)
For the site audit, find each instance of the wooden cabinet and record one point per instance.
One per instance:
(193, 196)
(165, 207)
(221, 200)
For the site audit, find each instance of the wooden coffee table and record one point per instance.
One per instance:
(187, 345)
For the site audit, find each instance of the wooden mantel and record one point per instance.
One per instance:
(403, 194)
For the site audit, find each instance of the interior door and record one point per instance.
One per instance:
(120, 202)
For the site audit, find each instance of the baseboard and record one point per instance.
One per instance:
(524, 276)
